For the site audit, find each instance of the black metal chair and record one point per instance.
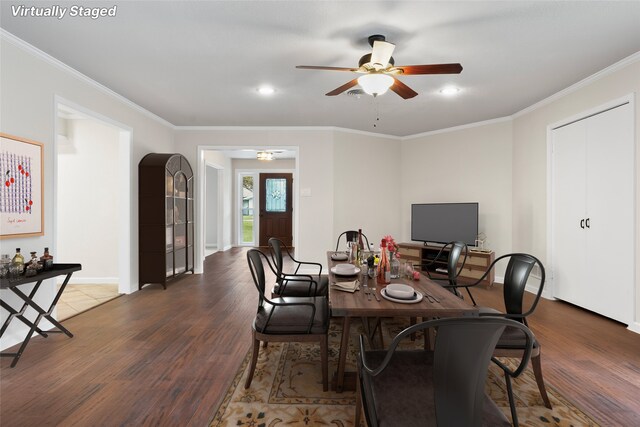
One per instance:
(286, 319)
(295, 284)
(511, 344)
(444, 387)
(455, 251)
(352, 236)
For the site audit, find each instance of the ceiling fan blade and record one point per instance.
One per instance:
(402, 89)
(342, 88)
(319, 67)
(381, 54)
(431, 69)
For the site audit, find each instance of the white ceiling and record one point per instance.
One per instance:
(200, 62)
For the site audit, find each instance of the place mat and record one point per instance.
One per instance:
(346, 286)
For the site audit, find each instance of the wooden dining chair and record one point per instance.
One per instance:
(444, 387)
(285, 319)
(296, 284)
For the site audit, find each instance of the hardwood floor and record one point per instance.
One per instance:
(159, 357)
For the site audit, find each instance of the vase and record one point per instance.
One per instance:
(395, 266)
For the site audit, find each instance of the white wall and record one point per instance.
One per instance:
(87, 204)
(211, 219)
(225, 201)
(530, 227)
(29, 83)
(367, 186)
(464, 165)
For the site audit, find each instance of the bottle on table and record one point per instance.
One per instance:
(361, 248)
(17, 263)
(46, 260)
(5, 262)
(395, 267)
(32, 266)
(384, 268)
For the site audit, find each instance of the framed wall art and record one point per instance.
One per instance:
(21, 194)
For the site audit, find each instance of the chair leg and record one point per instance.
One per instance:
(254, 360)
(358, 403)
(537, 372)
(412, 321)
(324, 358)
(471, 296)
(512, 403)
(379, 326)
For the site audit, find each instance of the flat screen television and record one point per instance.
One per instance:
(444, 222)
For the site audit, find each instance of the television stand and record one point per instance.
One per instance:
(475, 266)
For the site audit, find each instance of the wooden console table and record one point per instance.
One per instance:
(475, 266)
(28, 301)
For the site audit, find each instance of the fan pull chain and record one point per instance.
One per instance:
(377, 106)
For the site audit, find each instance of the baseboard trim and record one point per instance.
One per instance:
(546, 293)
(634, 327)
(92, 281)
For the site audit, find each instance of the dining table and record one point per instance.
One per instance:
(368, 302)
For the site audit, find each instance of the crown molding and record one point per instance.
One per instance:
(579, 85)
(5, 35)
(457, 128)
(286, 128)
(256, 128)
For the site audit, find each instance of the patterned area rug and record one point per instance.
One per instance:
(287, 389)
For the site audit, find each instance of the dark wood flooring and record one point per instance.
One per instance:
(166, 357)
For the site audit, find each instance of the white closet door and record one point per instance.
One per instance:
(568, 204)
(610, 210)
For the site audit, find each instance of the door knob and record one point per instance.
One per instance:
(582, 223)
(588, 223)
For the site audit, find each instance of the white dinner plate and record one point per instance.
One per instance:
(418, 297)
(355, 271)
(339, 256)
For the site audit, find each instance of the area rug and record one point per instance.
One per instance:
(287, 389)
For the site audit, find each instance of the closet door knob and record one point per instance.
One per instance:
(587, 223)
(582, 223)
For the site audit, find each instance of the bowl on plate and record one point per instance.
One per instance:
(345, 269)
(400, 291)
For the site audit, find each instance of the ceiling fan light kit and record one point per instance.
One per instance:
(375, 84)
(378, 71)
(264, 155)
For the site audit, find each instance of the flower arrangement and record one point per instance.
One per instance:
(392, 246)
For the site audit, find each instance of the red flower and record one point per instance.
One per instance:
(392, 246)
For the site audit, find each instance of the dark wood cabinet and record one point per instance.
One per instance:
(166, 218)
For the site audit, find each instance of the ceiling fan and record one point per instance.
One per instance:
(379, 72)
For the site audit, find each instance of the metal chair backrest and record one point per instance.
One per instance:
(463, 350)
(516, 276)
(275, 247)
(351, 236)
(254, 258)
(453, 271)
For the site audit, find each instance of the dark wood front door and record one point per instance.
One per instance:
(276, 207)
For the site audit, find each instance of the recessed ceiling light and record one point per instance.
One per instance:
(266, 90)
(449, 90)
